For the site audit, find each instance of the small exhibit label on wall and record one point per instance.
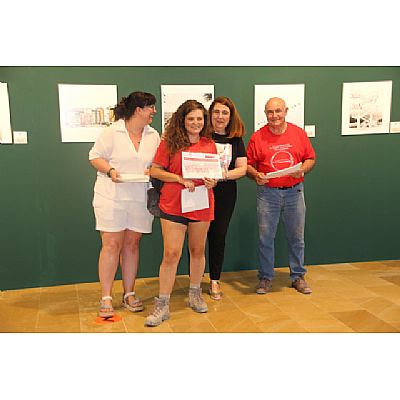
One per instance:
(310, 129)
(20, 137)
(395, 127)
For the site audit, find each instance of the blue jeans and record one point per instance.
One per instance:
(271, 204)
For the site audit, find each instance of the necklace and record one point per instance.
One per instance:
(134, 138)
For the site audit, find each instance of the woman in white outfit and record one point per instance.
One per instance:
(123, 152)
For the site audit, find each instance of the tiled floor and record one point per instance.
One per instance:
(353, 297)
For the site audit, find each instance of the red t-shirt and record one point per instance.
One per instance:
(170, 199)
(268, 152)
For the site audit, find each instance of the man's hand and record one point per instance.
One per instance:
(260, 178)
(298, 174)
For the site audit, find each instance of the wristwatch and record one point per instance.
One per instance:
(109, 172)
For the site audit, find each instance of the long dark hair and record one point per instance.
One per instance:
(127, 105)
(176, 135)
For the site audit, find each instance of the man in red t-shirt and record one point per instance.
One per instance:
(276, 146)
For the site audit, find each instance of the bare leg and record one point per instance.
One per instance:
(108, 260)
(197, 242)
(173, 236)
(130, 259)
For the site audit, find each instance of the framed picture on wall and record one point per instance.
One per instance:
(85, 110)
(172, 96)
(366, 107)
(5, 121)
(293, 95)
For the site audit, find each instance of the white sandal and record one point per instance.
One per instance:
(106, 311)
(135, 306)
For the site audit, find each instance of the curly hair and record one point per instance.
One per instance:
(235, 127)
(126, 107)
(176, 136)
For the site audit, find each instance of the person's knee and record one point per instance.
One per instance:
(171, 256)
(112, 246)
(196, 252)
(132, 243)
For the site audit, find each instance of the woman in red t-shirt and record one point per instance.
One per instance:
(185, 131)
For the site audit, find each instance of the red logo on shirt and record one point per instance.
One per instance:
(281, 160)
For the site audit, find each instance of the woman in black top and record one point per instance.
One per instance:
(227, 132)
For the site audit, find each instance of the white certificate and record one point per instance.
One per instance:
(197, 200)
(201, 165)
(283, 172)
(134, 178)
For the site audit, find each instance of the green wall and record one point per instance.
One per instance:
(47, 234)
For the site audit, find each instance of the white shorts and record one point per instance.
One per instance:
(116, 216)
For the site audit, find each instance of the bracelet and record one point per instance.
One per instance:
(109, 172)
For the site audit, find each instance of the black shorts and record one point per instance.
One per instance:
(176, 218)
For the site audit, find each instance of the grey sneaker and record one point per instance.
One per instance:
(264, 286)
(196, 301)
(301, 285)
(159, 314)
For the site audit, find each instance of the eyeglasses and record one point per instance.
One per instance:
(152, 107)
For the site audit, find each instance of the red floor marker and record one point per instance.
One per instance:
(115, 318)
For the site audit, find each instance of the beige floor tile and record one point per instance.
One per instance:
(383, 309)
(378, 266)
(363, 321)
(226, 304)
(256, 308)
(281, 325)
(340, 267)
(135, 324)
(194, 322)
(339, 304)
(392, 279)
(244, 326)
(353, 293)
(396, 325)
(392, 263)
(228, 322)
(57, 317)
(391, 293)
(323, 323)
(365, 279)
(63, 328)
(22, 308)
(236, 287)
(18, 292)
(15, 326)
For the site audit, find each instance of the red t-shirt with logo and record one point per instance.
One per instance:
(170, 199)
(268, 152)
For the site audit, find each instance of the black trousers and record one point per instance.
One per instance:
(225, 199)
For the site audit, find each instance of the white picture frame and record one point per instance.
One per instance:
(293, 95)
(366, 107)
(172, 96)
(85, 110)
(5, 119)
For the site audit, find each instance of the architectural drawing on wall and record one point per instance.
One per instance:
(5, 120)
(172, 96)
(366, 107)
(294, 99)
(85, 110)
